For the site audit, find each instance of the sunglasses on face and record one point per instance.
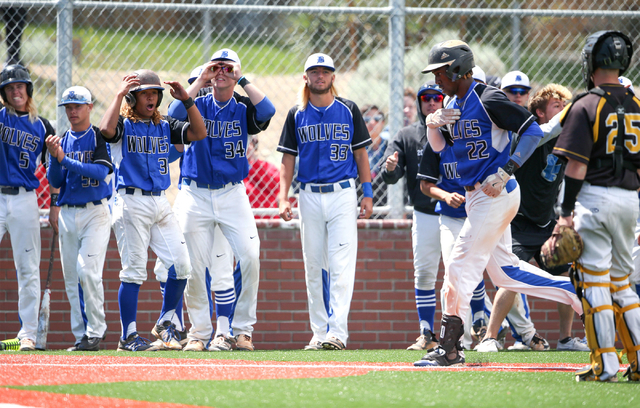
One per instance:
(224, 68)
(518, 91)
(431, 97)
(377, 118)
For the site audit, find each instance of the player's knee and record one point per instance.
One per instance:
(181, 269)
(425, 282)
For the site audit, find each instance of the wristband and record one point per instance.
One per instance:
(243, 81)
(188, 103)
(54, 200)
(571, 189)
(510, 167)
(367, 189)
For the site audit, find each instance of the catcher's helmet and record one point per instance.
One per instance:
(148, 80)
(15, 73)
(454, 53)
(605, 49)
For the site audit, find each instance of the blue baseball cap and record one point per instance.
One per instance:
(76, 94)
(429, 86)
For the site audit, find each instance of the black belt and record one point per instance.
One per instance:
(469, 188)
(10, 190)
(132, 191)
(327, 188)
(99, 202)
(188, 182)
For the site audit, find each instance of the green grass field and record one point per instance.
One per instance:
(376, 389)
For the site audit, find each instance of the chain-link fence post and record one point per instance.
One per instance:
(207, 29)
(395, 192)
(65, 59)
(515, 38)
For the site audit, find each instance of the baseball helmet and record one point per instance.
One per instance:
(605, 49)
(454, 53)
(76, 94)
(15, 73)
(148, 80)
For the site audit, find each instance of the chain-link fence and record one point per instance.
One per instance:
(379, 47)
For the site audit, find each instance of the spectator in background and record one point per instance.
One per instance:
(374, 119)
(409, 106)
(516, 86)
(14, 21)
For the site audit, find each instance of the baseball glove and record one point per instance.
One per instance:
(563, 247)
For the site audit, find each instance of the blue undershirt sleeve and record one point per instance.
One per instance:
(54, 172)
(174, 154)
(92, 170)
(527, 144)
(265, 110)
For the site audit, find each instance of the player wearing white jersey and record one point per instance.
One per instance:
(22, 136)
(212, 194)
(479, 124)
(329, 135)
(80, 165)
(142, 216)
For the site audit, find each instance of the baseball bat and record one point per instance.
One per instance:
(45, 306)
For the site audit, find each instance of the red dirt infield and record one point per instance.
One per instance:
(38, 369)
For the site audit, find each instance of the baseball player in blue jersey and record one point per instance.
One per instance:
(142, 216)
(213, 194)
(329, 135)
(22, 140)
(477, 126)
(80, 165)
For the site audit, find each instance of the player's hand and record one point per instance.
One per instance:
(454, 200)
(232, 70)
(53, 217)
(54, 148)
(392, 162)
(177, 90)
(285, 210)
(493, 184)
(128, 82)
(442, 117)
(568, 222)
(366, 207)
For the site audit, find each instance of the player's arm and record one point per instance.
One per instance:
(364, 173)
(574, 175)
(197, 129)
(430, 189)
(287, 167)
(436, 120)
(109, 121)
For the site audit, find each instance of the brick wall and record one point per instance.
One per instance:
(382, 315)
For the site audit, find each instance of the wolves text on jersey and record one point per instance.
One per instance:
(19, 138)
(222, 129)
(84, 157)
(451, 170)
(332, 131)
(467, 128)
(147, 144)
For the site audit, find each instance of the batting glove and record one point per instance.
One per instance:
(442, 117)
(493, 185)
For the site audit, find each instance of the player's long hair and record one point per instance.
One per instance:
(130, 113)
(541, 98)
(303, 95)
(30, 108)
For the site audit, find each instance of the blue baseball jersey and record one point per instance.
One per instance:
(140, 152)
(86, 147)
(221, 157)
(324, 139)
(482, 136)
(21, 148)
(442, 170)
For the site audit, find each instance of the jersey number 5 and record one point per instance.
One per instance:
(631, 121)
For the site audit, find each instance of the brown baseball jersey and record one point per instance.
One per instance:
(589, 131)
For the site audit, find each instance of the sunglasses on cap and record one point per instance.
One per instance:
(379, 117)
(517, 91)
(432, 97)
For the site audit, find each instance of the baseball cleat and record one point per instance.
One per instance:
(314, 345)
(221, 343)
(183, 337)
(572, 344)
(519, 346)
(135, 343)
(333, 343)
(86, 344)
(587, 374)
(169, 336)
(632, 376)
(539, 344)
(426, 341)
(489, 345)
(244, 343)
(479, 329)
(502, 334)
(194, 345)
(438, 358)
(27, 345)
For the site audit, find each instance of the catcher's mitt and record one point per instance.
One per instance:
(563, 247)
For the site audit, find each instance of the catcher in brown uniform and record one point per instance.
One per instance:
(600, 140)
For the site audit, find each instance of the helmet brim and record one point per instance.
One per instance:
(149, 86)
(433, 67)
